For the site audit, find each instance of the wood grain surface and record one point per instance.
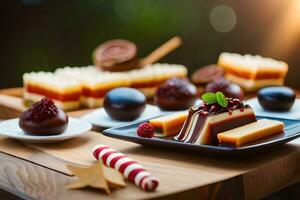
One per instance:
(177, 172)
(38, 171)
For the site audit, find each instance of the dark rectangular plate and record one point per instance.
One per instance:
(128, 133)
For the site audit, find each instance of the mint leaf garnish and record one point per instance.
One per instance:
(221, 99)
(209, 98)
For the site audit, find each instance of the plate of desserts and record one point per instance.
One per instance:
(43, 122)
(219, 126)
(122, 105)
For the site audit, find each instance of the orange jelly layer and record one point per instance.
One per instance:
(169, 125)
(260, 75)
(74, 96)
(99, 93)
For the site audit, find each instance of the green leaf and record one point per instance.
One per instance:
(209, 98)
(221, 99)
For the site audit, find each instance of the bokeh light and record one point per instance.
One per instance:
(222, 18)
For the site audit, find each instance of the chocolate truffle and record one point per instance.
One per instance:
(276, 98)
(43, 118)
(124, 104)
(229, 89)
(116, 55)
(176, 94)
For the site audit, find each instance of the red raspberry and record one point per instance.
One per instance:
(145, 130)
(41, 110)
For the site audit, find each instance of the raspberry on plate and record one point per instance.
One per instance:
(145, 130)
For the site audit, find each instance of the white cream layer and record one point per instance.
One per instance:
(251, 85)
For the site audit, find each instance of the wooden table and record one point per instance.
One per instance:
(182, 175)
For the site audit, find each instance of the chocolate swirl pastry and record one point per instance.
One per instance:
(116, 55)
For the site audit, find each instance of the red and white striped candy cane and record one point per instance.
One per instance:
(125, 165)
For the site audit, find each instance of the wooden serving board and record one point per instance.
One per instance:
(176, 171)
(12, 105)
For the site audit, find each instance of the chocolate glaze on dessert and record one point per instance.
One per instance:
(192, 111)
(43, 118)
(198, 127)
(199, 115)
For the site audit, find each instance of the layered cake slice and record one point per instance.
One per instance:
(150, 77)
(252, 72)
(250, 132)
(169, 124)
(64, 92)
(96, 83)
(206, 121)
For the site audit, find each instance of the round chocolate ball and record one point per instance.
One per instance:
(229, 89)
(124, 104)
(176, 94)
(43, 118)
(276, 98)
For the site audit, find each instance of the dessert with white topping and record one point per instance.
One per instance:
(253, 72)
(70, 87)
(64, 92)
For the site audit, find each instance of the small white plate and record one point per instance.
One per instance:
(100, 119)
(11, 129)
(293, 113)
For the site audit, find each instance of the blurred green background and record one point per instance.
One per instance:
(47, 34)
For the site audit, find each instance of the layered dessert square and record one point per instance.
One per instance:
(96, 83)
(169, 124)
(150, 77)
(253, 72)
(64, 92)
(250, 132)
(206, 121)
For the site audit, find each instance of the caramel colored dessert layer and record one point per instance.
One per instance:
(250, 132)
(170, 124)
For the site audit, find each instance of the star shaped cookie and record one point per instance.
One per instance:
(96, 176)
